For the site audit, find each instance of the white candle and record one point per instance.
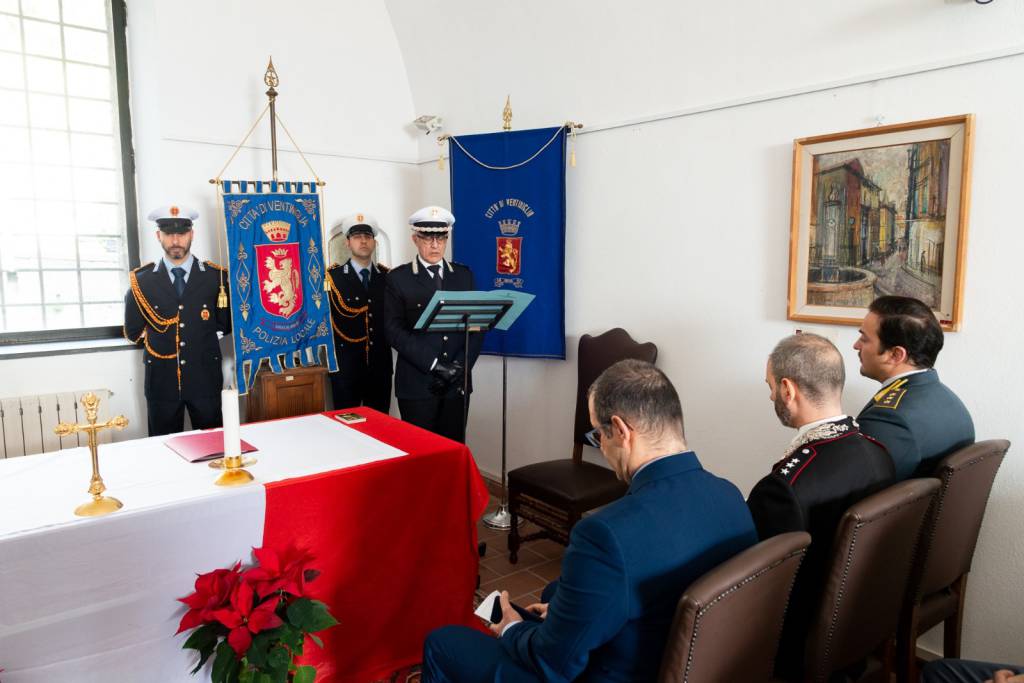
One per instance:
(229, 409)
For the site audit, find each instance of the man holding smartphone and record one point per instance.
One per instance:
(609, 613)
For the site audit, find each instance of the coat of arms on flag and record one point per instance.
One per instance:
(280, 311)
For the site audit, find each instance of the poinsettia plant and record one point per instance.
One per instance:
(254, 622)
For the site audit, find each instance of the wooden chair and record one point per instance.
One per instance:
(555, 494)
(727, 624)
(938, 583)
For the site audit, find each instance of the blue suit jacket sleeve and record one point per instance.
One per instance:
(590, 607)
(887, 427)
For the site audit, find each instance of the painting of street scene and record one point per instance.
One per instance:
(878, 224)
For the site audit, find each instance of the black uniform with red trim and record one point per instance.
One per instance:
(824, 472)
(182, 351)
(364, 357)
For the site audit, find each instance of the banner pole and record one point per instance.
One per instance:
(271, 79)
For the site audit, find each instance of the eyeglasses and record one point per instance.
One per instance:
(593, 437)
(432, 239)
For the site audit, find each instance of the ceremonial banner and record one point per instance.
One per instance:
(508, 197)
(279, 309)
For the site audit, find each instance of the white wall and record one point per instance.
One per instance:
(699, 204)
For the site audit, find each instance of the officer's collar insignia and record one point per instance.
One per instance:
(890, 396)
(827, 430)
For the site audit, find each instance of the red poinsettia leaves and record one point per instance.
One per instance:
(284, 571)
(213, 590)
(228, 617)
(240, 639)
(264, 617)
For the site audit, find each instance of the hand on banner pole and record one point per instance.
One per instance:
(445, 376)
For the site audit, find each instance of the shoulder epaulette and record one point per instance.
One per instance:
(215, 265)
(334, 264)
(382, 268)
(143, 266)
(890, 396)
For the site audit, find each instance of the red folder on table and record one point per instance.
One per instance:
(203, 445)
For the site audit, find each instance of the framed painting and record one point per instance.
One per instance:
(880, 211)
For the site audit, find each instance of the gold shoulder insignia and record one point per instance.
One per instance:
(890, 396)
(215, 265)
(334, 264)
(143, 267)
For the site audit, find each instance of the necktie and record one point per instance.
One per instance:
(179, 280)
(436, 270)
(364, 275)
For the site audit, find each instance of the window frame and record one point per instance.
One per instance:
(119, 31)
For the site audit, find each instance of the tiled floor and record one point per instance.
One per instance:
(540, 562)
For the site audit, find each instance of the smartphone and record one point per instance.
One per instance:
(349, 418)
(490, 608)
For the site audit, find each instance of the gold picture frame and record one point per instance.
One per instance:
(880, 211)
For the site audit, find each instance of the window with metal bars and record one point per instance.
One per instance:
(68, 219)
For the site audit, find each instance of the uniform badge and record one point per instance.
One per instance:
(205, 314)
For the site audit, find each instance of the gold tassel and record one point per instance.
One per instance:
(327, 283)
(440, 152)
(440, 162)
(222, 298)
(572, 142)
(572, 159)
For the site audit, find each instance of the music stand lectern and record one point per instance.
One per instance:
(465, 312)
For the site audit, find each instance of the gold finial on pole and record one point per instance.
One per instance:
(100, 504)
(272, 81)
(506, 114)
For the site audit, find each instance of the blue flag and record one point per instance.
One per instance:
(508, 197)
(279, 309)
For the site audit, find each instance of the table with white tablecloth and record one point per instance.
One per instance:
(95, 599)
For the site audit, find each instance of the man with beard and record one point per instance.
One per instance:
(357, 306)
(827, 467)
(171, 310)
(918, 418)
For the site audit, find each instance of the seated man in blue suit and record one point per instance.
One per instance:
(608, 615)
(914, 415)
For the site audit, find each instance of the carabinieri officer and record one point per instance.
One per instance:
(357, 305)
(430, 367)
(171, 310)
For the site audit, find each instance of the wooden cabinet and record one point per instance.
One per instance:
(294, 392)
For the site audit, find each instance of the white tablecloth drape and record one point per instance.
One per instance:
(94, 599)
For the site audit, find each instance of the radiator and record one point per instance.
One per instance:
(27, 422)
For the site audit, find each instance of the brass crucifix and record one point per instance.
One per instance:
(100, 504)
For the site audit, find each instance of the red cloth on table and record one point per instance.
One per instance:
(395, 541)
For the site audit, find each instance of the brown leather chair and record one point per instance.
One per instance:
(873, 552)
(555, 494)
(938, 583)
(728, 621)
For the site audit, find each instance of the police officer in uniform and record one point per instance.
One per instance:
(430, 366)
(917, 417)
(171, 310)
(357, 304)
(828, 466)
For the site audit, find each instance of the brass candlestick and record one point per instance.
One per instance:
(100, 504)
(234, 473)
